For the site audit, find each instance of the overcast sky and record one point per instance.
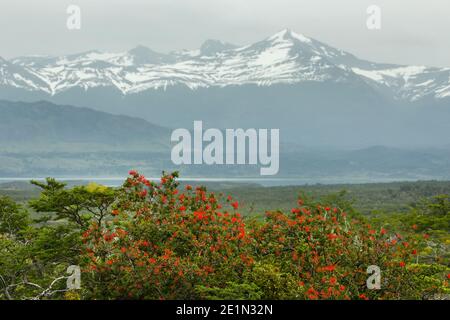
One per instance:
(413, 31)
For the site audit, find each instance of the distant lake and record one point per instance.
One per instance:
(117, 181)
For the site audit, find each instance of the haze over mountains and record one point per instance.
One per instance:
(316, 94)
(43, 139)
(324, 101)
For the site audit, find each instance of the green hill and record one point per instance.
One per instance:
(44, 126)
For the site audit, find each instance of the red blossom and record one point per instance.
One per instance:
(143, 193)
(329, 268)
(363, 296)
(332, 236)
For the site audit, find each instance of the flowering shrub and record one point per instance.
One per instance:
(162, 242)
(329, 253)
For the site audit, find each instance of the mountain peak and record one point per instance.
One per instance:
(211, 47)
(142, 55)
(140, 50)
(288, 34)
(84, 53)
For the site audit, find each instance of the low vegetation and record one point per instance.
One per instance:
(161, 240)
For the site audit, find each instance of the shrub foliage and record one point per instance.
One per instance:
(157, 240)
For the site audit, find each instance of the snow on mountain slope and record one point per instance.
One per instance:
(411, 82)
(286, 57)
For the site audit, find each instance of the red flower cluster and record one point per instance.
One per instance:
(171, 239)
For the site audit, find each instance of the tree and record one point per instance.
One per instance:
(33, 257)
(13, 218)
(79, 204)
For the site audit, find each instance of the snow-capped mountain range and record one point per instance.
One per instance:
(284, 58)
